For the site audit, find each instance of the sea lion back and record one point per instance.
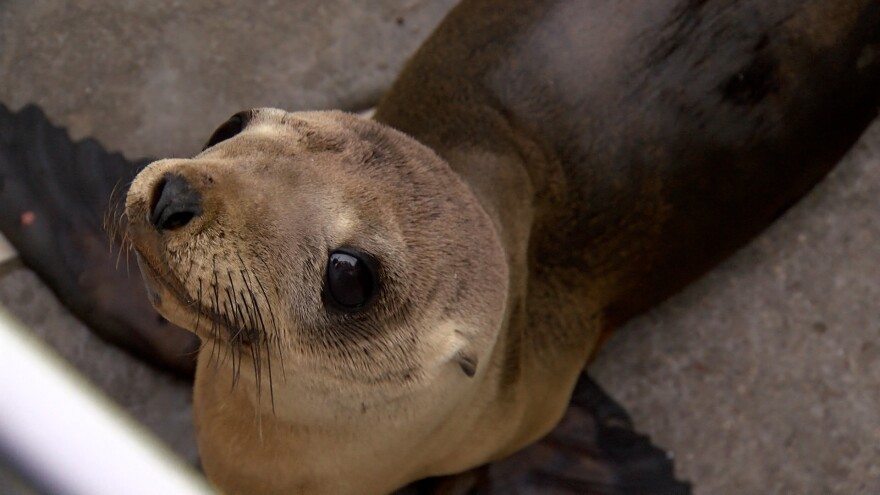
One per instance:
(660, 136)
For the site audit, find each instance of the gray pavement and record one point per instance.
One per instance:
(762, 378)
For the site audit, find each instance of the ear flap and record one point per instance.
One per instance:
(467, 363)
(593, 451)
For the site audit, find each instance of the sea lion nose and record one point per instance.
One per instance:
(174, 203)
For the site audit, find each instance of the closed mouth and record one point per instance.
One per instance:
(237, 332)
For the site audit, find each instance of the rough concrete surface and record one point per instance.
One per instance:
(763, 377)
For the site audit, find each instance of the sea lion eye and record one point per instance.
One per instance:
(228, 129)
(350, 281)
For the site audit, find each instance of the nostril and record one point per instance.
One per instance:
(174, 203)
(154, 198)
(176, 220)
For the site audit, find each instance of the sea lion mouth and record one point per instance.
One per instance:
(236, 329)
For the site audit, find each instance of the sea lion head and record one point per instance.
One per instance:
(332, 247)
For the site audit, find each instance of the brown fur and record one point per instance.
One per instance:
(246, 276)
(591, 158)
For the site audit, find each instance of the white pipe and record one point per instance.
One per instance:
(7, 252)
(71, 439)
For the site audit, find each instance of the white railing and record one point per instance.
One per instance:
(69, 438)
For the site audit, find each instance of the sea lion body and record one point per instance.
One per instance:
(430, 348)
(750, 104)
(556, 168)
(540, 223)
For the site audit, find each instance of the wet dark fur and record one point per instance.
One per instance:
(669, 133)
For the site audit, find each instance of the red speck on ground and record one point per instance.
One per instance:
(27, 218)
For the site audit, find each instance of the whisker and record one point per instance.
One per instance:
(112, 207)
(255, 361)
(114, 223)
(271, 315)
(192, 261)
(238, 323)
(234, 348)
(245, 276)
(216, 325)
(198, 307)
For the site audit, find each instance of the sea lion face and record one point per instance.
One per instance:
(329, 246)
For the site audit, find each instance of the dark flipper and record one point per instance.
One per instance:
(54, 197)
(593, 451)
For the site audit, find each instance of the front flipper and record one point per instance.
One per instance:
(54, 197)
(593, 451)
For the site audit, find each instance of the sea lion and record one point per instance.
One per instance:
(527, 121)
(425, 294)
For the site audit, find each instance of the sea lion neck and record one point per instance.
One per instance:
(514, 185)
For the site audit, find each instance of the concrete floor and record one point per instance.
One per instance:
(763, 377)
